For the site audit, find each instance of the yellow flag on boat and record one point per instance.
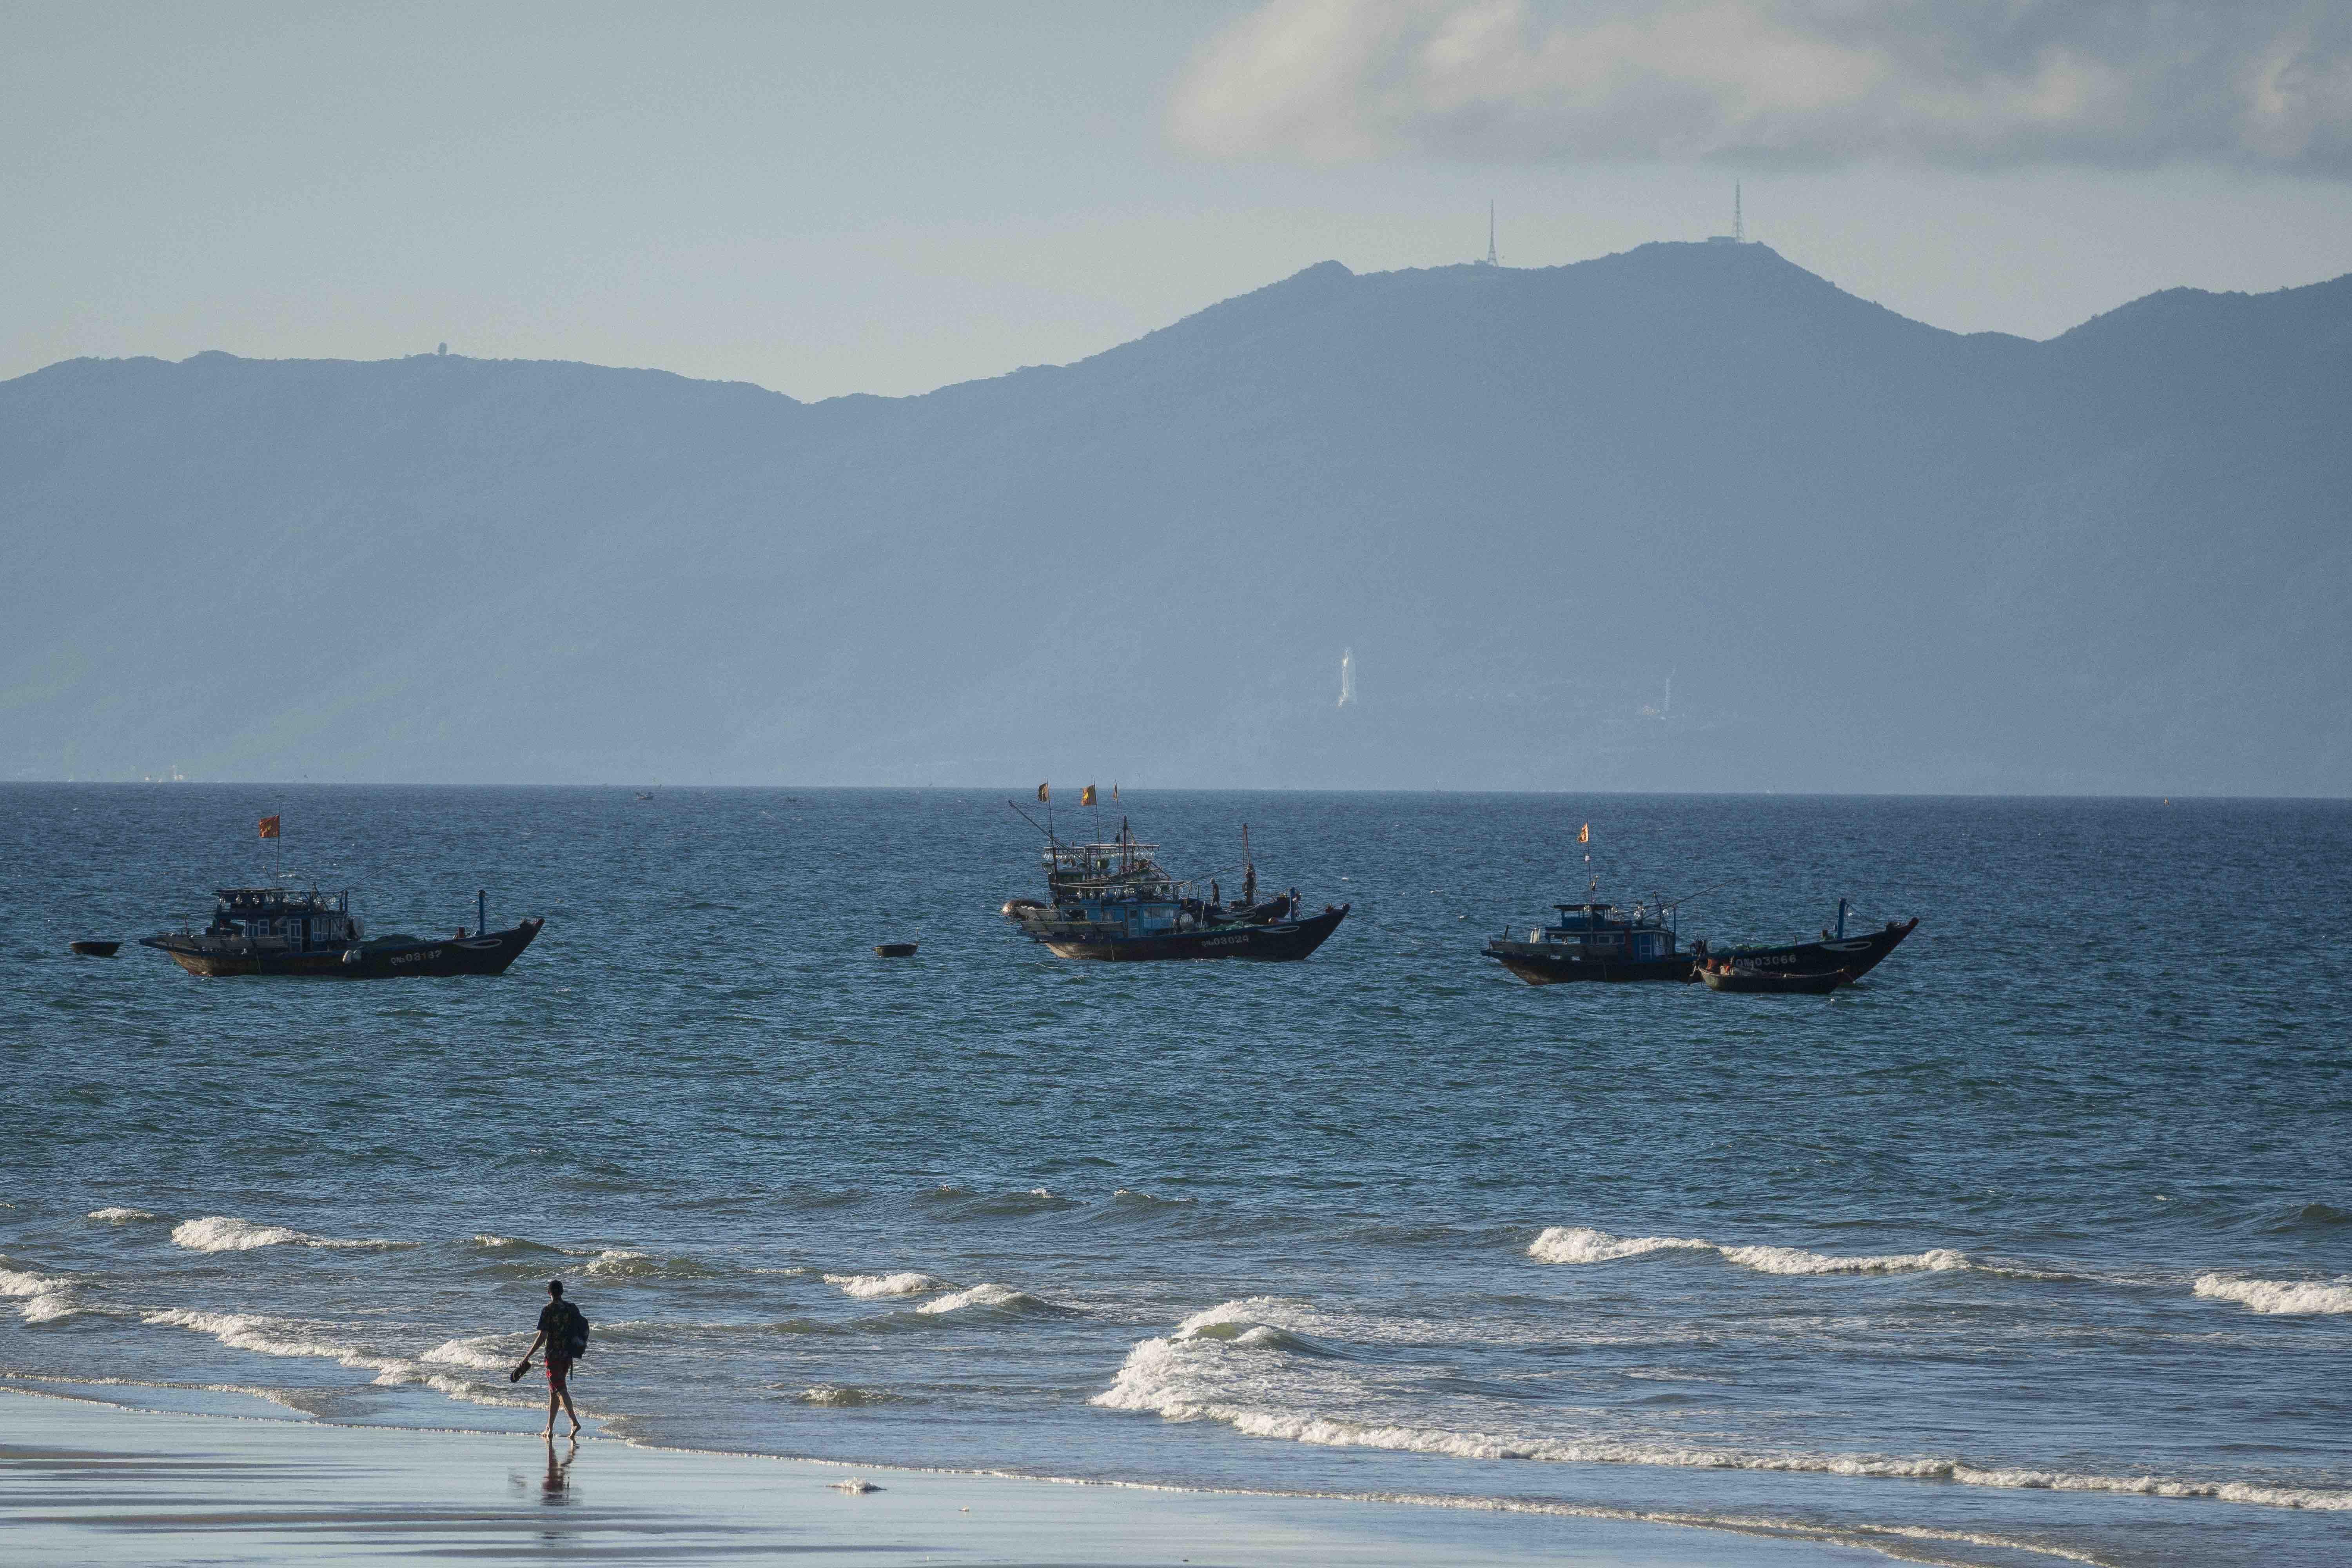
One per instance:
(1087, 795)
(1584, 834)
(1044, 794)
(269, 828)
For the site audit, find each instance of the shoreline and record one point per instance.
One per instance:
(86, 1480)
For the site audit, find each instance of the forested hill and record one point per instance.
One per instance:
(1868, 554)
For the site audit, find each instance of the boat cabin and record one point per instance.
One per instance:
(1115, 889)
(1605, 931)
(283, 920)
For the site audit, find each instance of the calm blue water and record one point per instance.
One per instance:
(2039, 1240)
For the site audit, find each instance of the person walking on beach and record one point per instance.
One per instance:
(564, 1329)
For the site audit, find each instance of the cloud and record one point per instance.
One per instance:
(2265, 84)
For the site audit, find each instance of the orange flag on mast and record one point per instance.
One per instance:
(1584, 834)
(1087, 795)
(269, 828)
(1044, 794)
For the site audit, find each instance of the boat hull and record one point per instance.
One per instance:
(1851, 957)
(1283, 941)
(489, 953)
(1549, 969)
(1774, 983)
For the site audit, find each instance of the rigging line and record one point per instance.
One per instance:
(1677, 902)
(1033, 822)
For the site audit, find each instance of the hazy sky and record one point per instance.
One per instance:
(829, 198)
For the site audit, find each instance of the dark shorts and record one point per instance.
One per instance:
(558, 1369)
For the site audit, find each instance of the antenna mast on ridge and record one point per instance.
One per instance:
(1739, 219)
(1491, 261)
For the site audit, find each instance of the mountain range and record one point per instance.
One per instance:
(1685, 518)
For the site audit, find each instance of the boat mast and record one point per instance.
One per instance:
(1249, 871)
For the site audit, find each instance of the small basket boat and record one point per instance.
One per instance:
(1724, 975)
(894, 950)
(97, 949)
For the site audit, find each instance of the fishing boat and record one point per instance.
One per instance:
(1594, 941)
(1723, 975)
(282, 931)
(1114, 900)
(1848, 957)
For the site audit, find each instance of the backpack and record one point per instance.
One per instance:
(573, 1336)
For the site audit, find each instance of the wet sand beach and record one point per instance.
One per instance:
(82, 1481)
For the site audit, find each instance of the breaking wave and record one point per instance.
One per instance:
(226, 1233)
(1002, 1297)
(846, 1396)
(2282, 1295)
(114, 1216)
(1582, 1244)
(1228, 1365)
(869, 1285)
(481, 1352)
(264, 1335)
(41, 1297)
(1796, 1260)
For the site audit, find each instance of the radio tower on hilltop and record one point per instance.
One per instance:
(1491, 259)
(1739, 218)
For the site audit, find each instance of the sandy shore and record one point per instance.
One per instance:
(82, 1481)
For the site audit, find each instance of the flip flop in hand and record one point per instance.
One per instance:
(520, 1367)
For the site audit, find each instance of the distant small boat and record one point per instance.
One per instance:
(894, 950)
(97, 949)
(1722, 974)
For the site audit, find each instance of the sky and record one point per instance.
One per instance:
(827, 199)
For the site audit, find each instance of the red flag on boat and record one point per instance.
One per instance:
(269, 828)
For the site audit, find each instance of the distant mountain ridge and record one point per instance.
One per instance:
(1869, 554)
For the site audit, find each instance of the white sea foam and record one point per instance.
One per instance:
(1231, 1364)
(226, 1233)
(48, 1307)
(269, 1336)
(622, 1261)
(482, 1352)
(112, 1216)
(872, 1285)
(1243, 1364)
(1796, 1260)
(1002, 1297)
(1582, 1244)
(264, 1335)
(2279, 1295)
(41, 1297)
(21, 1282)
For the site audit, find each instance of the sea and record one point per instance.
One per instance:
(2035, 1247)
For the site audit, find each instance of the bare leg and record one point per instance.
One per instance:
(568, 1410)
(552, 1396)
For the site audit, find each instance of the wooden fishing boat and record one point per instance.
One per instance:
(1593, 941)
(1114, 901)
(1851, 957)
(281, 933)
(95, 948)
